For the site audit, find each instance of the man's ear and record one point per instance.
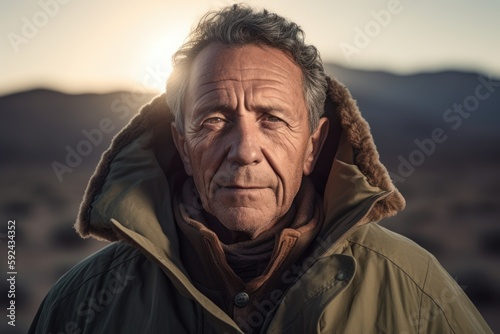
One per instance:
(316, 141)
(180, 144)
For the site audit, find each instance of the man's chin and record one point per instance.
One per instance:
(248, 221)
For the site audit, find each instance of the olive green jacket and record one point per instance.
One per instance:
(358, 277)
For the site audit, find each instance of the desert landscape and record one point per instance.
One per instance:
(437, 133)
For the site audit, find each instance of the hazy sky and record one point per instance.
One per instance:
(91, 45)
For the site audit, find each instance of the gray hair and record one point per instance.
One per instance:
(240, 25)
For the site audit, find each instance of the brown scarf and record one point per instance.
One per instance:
(220, 270)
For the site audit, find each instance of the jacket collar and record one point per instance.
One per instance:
(132, 182)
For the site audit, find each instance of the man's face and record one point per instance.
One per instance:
(246, 139)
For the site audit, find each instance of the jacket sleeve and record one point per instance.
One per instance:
(445, 307)
(48, 319)
(54, 317)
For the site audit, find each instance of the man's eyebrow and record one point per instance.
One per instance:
(266, 108)
(215, 107)
(270, 107)
(211, 108)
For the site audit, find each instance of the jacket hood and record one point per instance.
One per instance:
(131, 182)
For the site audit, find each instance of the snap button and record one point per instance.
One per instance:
(241, 299)
(341, 275)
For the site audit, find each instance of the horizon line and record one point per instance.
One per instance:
(127, 87)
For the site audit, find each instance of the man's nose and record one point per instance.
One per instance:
(245, 148)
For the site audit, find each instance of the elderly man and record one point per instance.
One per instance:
(246, 199)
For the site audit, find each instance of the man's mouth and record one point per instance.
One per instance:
(236, 189)
(242, 187)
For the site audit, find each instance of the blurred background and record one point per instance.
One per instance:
(425, 74)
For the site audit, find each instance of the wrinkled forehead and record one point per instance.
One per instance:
(218, 62)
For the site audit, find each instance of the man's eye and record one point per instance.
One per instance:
(213, 120)
(271, 118)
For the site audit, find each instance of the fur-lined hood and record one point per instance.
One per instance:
(131, 182)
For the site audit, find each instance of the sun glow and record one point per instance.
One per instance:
(156, 58)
